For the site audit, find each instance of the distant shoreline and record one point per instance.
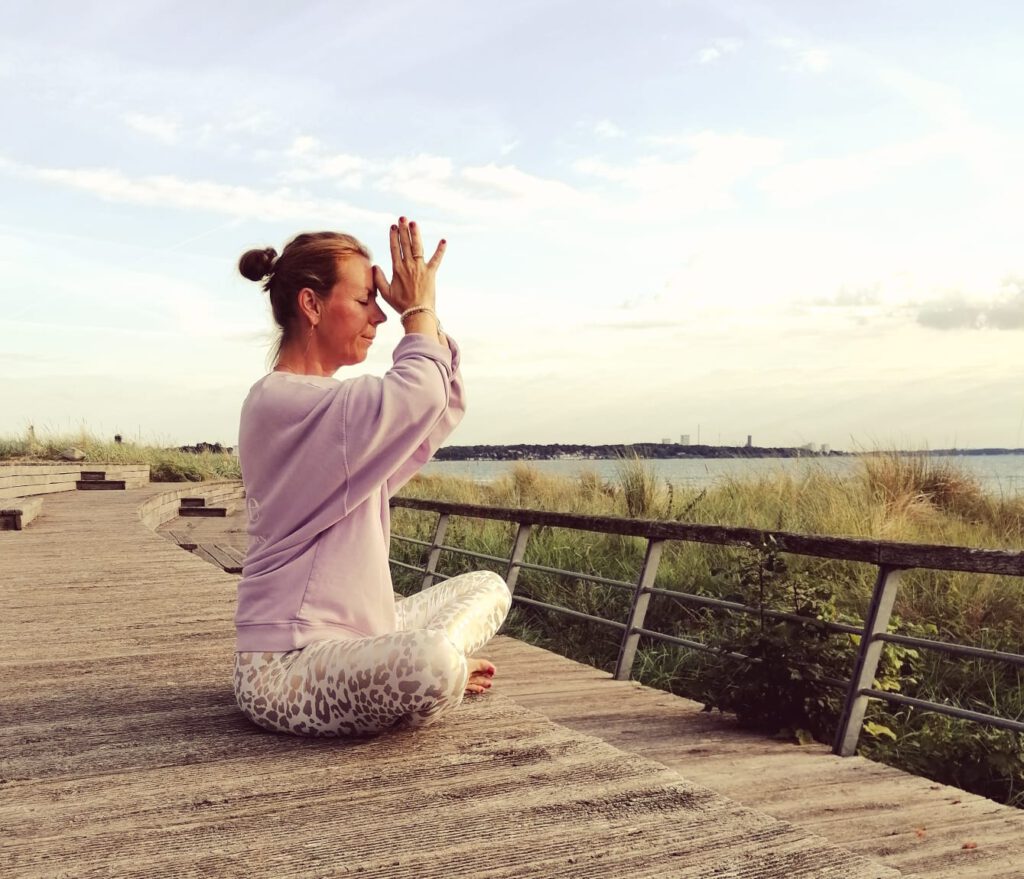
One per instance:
(670, 451)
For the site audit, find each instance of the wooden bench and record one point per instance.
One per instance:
(221, 555)
(182, 539)
(19, 513)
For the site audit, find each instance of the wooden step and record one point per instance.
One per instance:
(100, 485)
(195, 512)
(93, 475)
(193, 502)
(17, 515)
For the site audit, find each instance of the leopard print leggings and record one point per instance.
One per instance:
(363, 686)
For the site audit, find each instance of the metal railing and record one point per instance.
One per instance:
(891, 560)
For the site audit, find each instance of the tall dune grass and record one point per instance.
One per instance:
(890, 497)
(165, 464)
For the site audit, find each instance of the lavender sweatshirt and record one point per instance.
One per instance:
(320, 458)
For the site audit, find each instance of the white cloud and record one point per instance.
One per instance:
(704, 179)
(312, 162)
(437, 182)
(717, 49)
(166, 190)
(804, 182)
(608, 129)
(814, 60)
(806, 58)
(160, 128)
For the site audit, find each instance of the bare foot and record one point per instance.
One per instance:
(480, 673)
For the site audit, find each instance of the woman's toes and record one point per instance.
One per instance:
(483, 666)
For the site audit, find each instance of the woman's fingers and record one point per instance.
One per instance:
(407, 244)
(412, 279)
(416, 243)
(404, 239)
(380, 281)
(396, 251)
(435, 260)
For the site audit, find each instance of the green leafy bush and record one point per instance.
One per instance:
(787, 686)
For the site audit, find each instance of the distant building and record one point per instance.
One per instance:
(684, 439)
(750, 441)
(825, 448)
(807, 447)
(667, 441)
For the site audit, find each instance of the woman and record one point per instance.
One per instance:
(323, 649)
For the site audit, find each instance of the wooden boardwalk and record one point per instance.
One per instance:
(123, 754)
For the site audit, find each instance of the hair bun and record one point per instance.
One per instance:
(257, 264)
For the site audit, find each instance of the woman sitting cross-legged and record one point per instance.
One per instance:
(323, 648)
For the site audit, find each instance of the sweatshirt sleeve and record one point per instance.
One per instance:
(448, 421)
(392, 425)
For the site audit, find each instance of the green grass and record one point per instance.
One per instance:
(165, 464)
(889, 497)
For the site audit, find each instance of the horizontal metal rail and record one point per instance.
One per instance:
(891, 559)
(532, 602)
(698, 645)
(950, 710)
(410, 540)
(476, 555)
(729, 654)
(954, 649)
(576, 575)
(407, 567)
(721, 603)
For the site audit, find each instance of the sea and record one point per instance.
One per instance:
(997, 474)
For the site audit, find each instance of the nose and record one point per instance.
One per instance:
(379, 317)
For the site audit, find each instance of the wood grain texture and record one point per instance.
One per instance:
(124, 754)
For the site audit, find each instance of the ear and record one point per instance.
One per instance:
(309, 302)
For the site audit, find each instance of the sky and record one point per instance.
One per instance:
(794, 220)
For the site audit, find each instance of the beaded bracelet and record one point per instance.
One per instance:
(417, 309)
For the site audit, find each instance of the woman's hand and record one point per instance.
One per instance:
(412, 279)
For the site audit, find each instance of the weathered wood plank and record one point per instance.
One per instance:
(147, 640)
(120, 725)
(835, 797)
(221, 556)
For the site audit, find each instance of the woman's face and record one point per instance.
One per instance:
(351, 314)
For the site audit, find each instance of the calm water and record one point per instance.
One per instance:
(998, 474)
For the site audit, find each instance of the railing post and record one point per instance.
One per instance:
(637, 614)
(876, 623)
(516, 559)
(435, 551)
